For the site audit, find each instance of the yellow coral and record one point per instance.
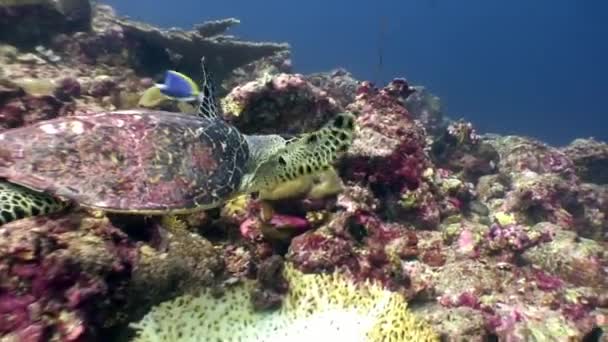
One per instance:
(316, 218)
(236, 206)
(409, 199)
(323, 307)
(173, 223)
(231, 107)
(504, 219)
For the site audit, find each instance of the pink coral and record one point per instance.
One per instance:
(516, 237)
(62, 278)
(547, 282)
(316, 252)
(361, 244)
(252, 228)
(389, 151)
(467, 245)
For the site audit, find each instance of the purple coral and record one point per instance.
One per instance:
(61, 277)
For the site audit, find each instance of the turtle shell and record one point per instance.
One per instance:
(129, 161)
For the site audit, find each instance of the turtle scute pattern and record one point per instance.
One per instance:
(128, 161)
(17, 202)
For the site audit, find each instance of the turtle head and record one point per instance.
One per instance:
(275, 160)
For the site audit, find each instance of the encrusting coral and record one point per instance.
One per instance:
(317, 306)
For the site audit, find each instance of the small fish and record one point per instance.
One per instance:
(179, 87)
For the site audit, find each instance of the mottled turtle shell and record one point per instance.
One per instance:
(129, 161)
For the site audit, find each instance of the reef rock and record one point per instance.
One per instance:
(426, 108)
(590, 158)
(284, 103)
(583, 262)
(264, 67)
(61, 279)
(388, 150)
(32, 22)
(71, 277)
(181, 261)
(519, 154)
(182, 50)
(339, 84)
(459, 149)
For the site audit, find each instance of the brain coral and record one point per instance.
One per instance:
(322, 307)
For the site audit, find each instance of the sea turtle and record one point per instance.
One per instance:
(153, 162)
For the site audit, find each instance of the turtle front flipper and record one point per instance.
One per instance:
(306, 154)
(17, 202)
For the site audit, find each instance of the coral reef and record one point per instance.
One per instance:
(460, 149)
(182, 50)
(276, 103)
(590, 157)
(426, 108)
(62, 277)
(34, 21)
(339, 84)
(264, 67)
(316, 306)
(388, 139)
(577, 260)
(364, 246)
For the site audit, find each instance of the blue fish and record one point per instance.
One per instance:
(178, 87)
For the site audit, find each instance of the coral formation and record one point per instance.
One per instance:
(61, 278)
(38, 20)
(317, 306)
(590, 158)
(460, 149)
(64, 277)
(171, 263)
(339, 84)
(426, 108)
(275, 103)
(181, 50)
(388, 139)
(264, 67)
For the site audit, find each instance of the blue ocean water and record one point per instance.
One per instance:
(536, 68)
